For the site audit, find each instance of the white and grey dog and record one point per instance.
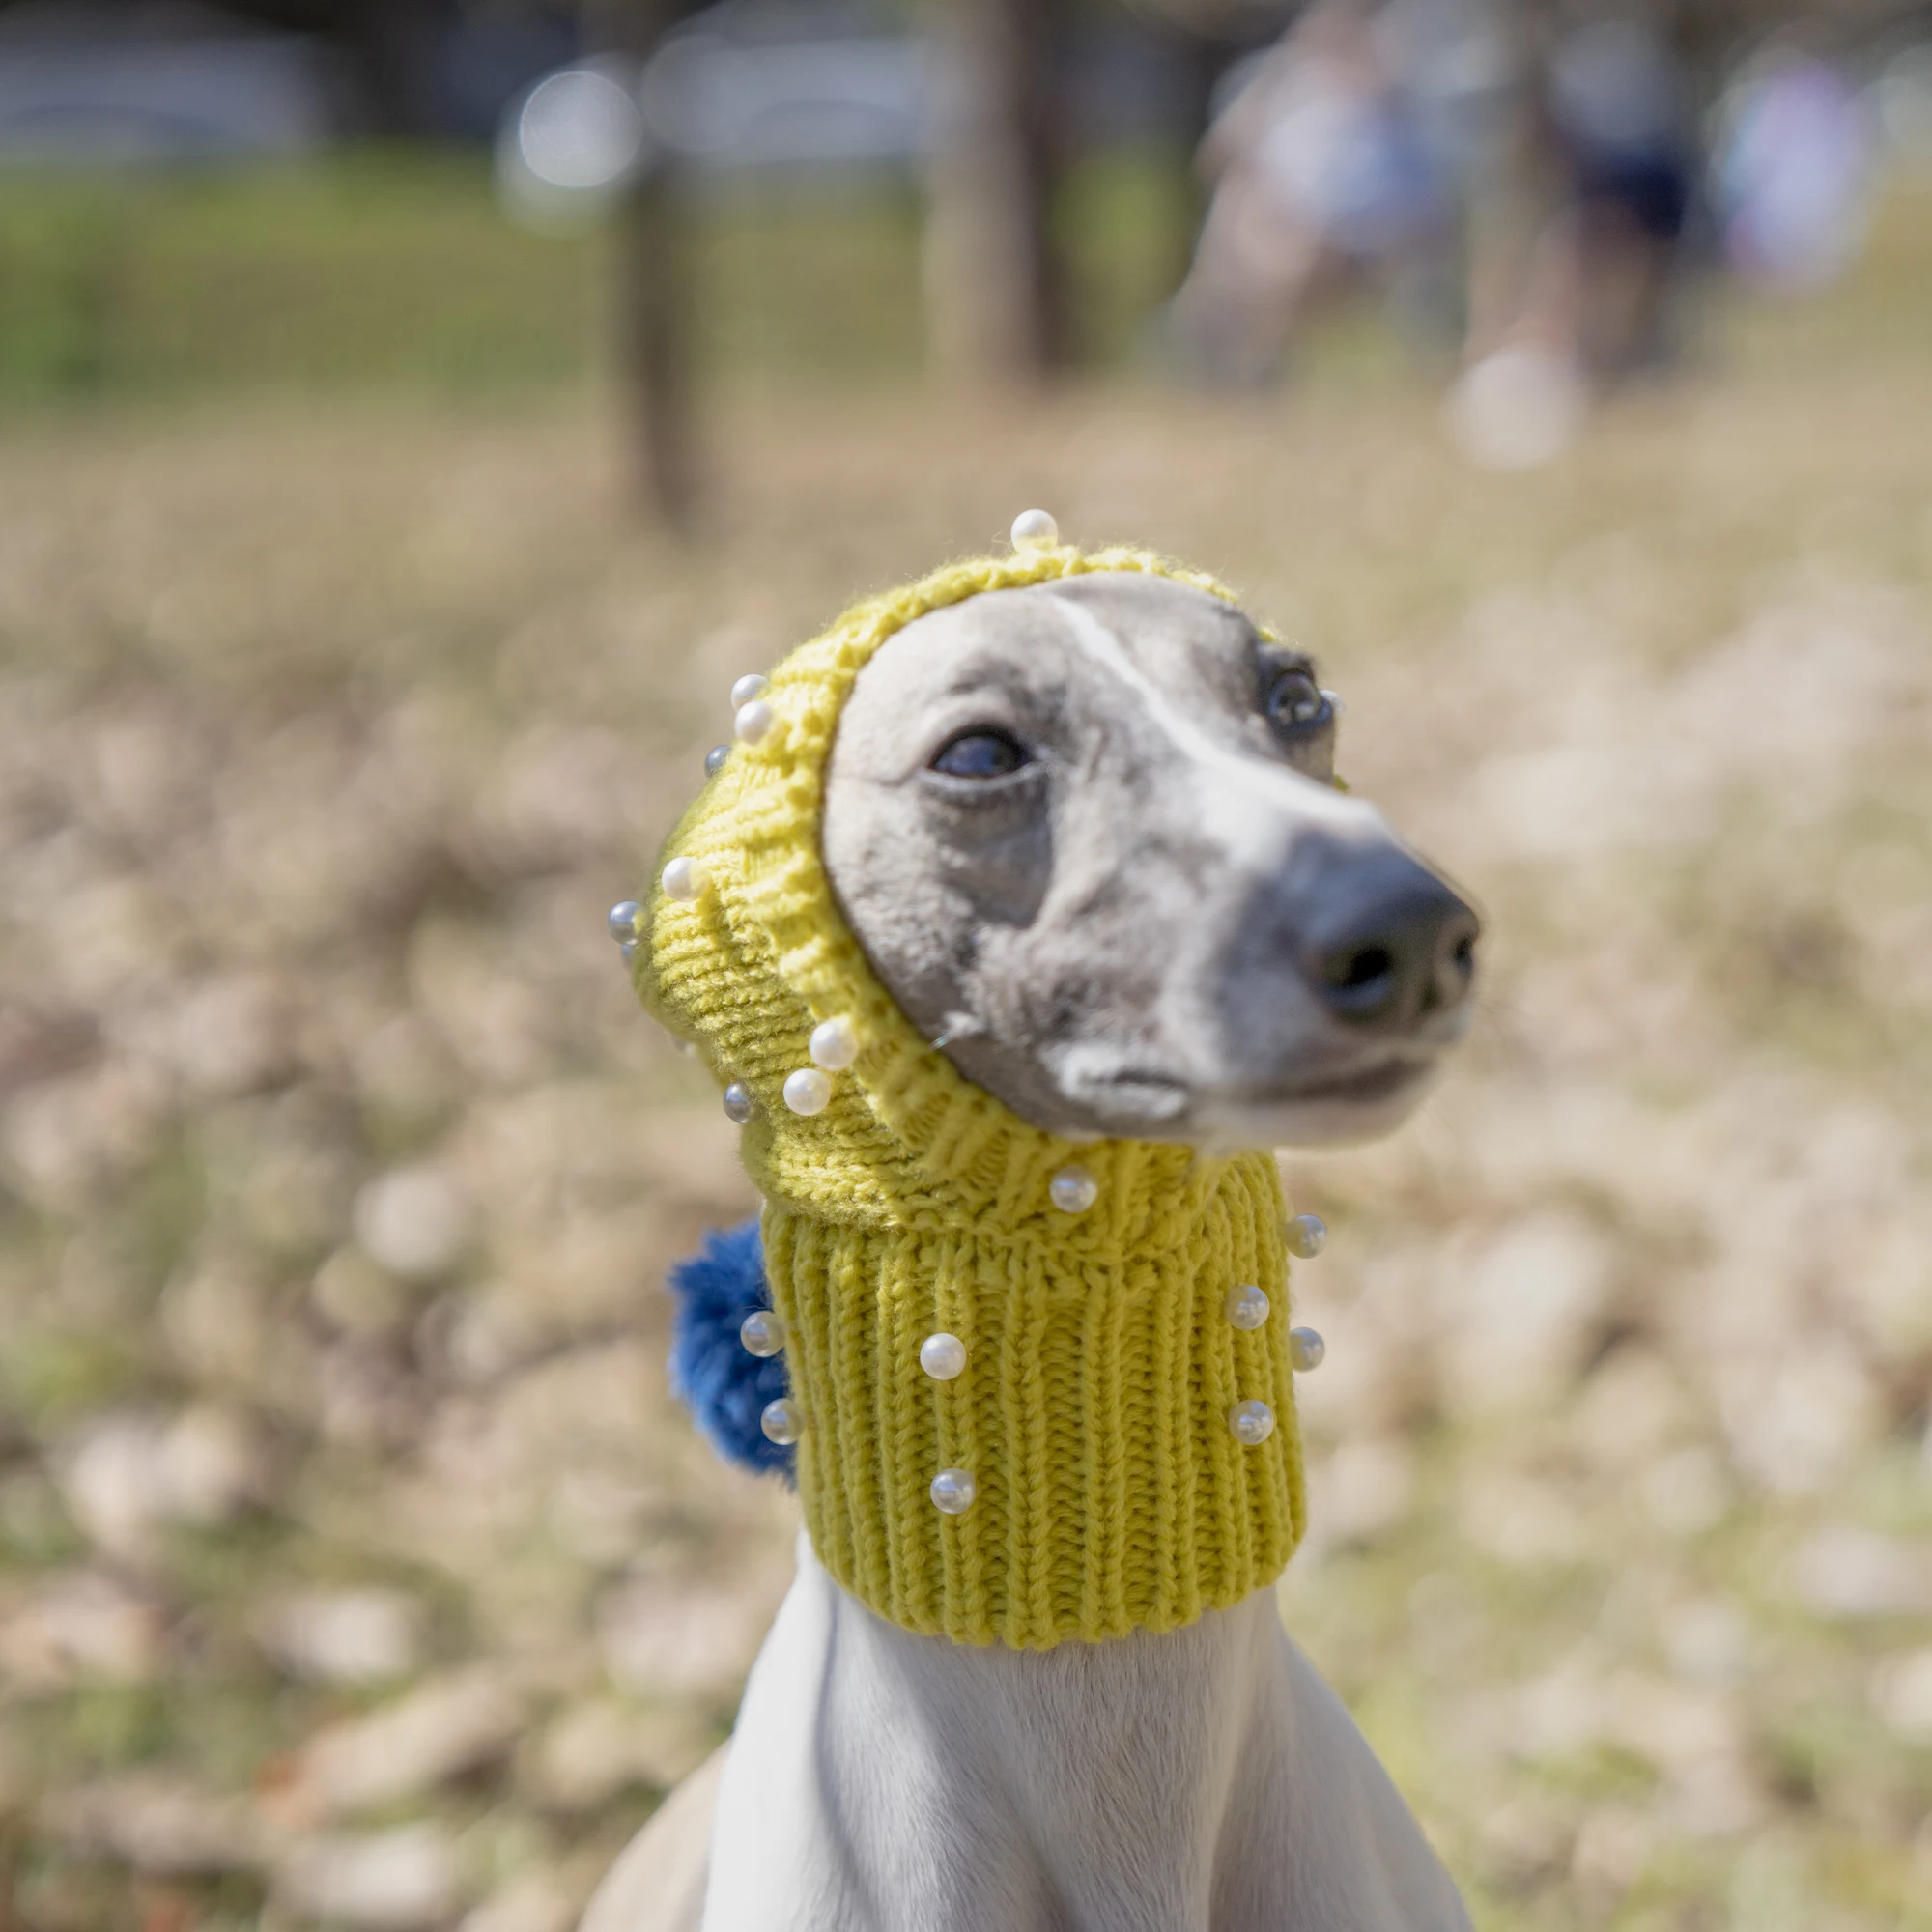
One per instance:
(1086, 833)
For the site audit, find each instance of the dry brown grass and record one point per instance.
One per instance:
(351, 1556)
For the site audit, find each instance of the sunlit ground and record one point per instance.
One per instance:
(352, 1555)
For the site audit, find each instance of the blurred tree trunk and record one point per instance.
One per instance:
(995, 276)
(651, 287)
(392, 48)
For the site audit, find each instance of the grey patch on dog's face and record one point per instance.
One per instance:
(1086, 833)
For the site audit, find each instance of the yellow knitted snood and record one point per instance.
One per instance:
(1110, 1491)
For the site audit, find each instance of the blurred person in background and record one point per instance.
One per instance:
(1626, 166)
(1582, 294)
(1531, 200)
(1793, 172)
(1320, 172)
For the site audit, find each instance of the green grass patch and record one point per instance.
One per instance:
(391, 268)
(395, 269)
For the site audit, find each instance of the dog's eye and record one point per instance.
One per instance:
(1296, 706)
(982, 753)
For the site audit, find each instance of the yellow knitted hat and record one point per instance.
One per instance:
(1098, 1472)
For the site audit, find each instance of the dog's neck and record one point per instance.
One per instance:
(1097, 1411)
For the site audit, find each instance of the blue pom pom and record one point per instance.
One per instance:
(712, 1373)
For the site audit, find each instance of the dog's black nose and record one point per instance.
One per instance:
(1386, 944)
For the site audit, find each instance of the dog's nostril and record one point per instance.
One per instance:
(1447, 979)
(1361, 981)
(1365, 967)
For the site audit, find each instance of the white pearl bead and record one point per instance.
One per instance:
(807, 1090)
(1074, 1190)
(952, 1491)
(753, 721)
(622, 920)
(1305, 1349)
(1247, 1306)
(685, 880)
(1035, 529)
(1252, 1422)
(1307, 1236)
(781, 1422)
(762, 1332)
(714, 759)
(833, 1045)
(739, 1106)
(751, 684)
(628, 951)
(943, 1356)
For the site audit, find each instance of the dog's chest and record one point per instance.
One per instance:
(1200, 1781)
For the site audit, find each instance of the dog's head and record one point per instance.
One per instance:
(1087, 836)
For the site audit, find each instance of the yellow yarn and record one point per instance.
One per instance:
(1101, 1366)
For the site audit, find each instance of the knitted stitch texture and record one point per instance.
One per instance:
(1101, 1366)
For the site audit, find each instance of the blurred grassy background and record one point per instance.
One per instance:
(396, 268)
(393, 270)
(354, 1567)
